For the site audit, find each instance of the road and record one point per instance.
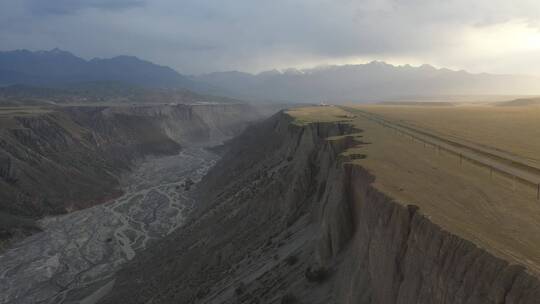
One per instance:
(76, 256)
(496, 162)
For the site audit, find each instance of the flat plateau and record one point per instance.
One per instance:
(488, 207)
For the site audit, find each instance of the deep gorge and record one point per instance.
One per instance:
(69, 158)
(124, 178)
(284, 217)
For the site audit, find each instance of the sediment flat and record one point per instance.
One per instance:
(76, 256)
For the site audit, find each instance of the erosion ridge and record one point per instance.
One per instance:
(286, 216)
(58, 159)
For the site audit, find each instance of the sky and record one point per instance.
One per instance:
(201, 36)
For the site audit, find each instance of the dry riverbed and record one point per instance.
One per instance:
(76, 256)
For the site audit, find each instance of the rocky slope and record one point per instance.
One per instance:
(284, 218)
(55, 160)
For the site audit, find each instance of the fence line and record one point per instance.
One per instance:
(454, 148)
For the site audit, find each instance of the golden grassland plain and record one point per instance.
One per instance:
(305, 115)
(461, 197)
(515, 130)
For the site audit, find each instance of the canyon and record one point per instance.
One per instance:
(59, 159)
(77, 254)
(293, 152)
(288, 216)
(297, 208)
(86, 187)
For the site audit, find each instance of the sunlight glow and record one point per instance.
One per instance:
(503, 38)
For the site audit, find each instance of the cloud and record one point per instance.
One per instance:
(197, 36)
(62, 7)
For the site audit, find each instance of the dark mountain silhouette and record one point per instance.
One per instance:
(374, 81)
(57, 67)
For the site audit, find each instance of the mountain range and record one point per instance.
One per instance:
(58, 68)
(374, 81)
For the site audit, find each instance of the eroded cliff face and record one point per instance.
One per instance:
(68, 158)
(206, 123)
(285, 218)
(397, 255)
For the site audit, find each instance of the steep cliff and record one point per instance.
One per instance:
(54, 160)
(205, 123)
(284, 217)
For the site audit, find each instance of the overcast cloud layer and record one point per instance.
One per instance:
(198, 36)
